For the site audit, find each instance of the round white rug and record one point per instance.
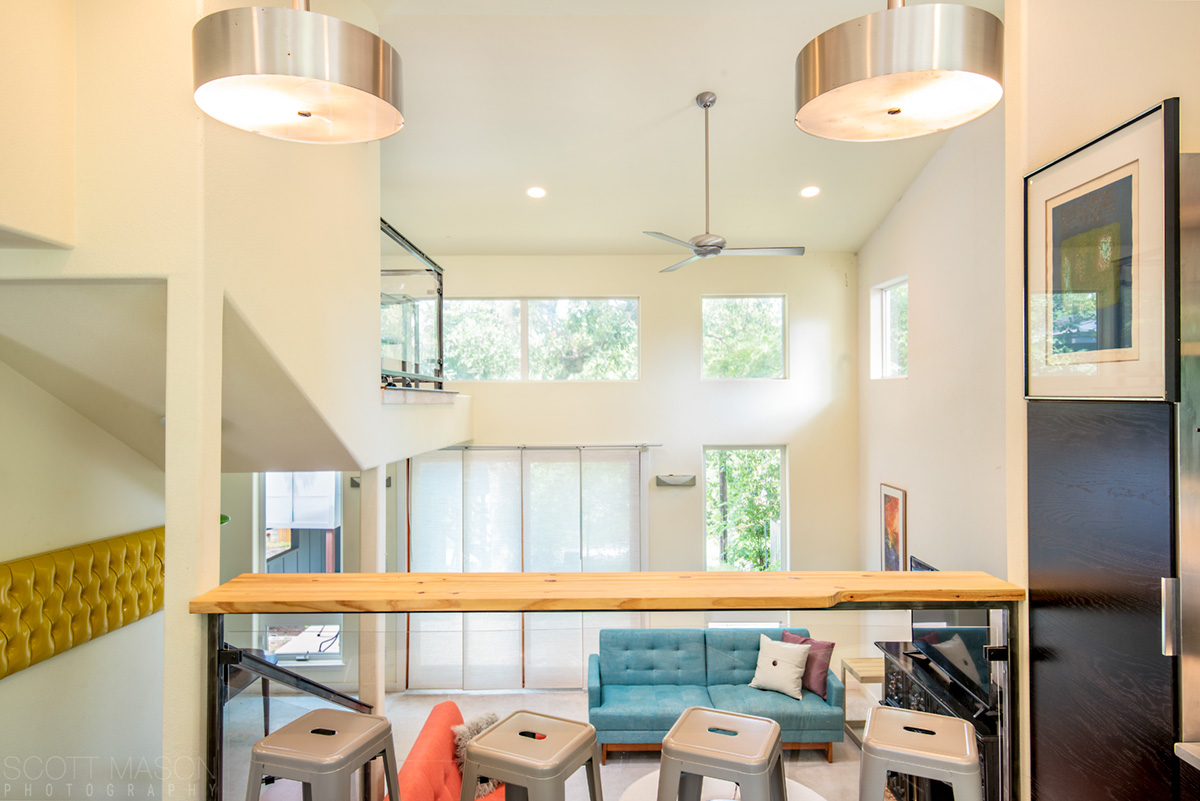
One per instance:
(646, 789)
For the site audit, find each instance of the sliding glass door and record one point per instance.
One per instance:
(508, 510)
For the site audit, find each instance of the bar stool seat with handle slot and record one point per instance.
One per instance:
(919, 744)
(533, 755)
(323, 749)
(723, 745)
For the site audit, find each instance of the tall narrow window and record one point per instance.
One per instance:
(743, 337)
(303, 522)
(889, 329)
(743, 508)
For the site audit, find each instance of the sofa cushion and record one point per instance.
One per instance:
(732, 654)
(780, 666)
(652, 657)
(644, 706)
(429, 771)
(816, 669)
(809, 713)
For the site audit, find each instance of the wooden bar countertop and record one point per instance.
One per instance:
(594, 592)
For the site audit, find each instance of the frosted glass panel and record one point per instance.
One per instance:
(492, 651)
(610, 500)
(435, 641)
(492, 543)
(492, 511)
(303, 500)
(508, 510)
(314, 500)
(279, 500)
(554, 650)
(552, 506)
(437, 513)
(435, 651)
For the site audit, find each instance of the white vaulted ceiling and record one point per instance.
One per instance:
(594, 100)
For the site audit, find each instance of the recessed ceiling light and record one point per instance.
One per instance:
(810, 191)
(535, 192)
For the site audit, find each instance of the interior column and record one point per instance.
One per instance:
(371, 628)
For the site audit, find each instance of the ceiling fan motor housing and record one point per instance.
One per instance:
(707, 244)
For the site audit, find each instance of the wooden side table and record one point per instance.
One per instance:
(865, 670)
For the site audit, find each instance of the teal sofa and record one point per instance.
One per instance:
(643, 679)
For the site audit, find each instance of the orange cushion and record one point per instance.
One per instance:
(429, 772)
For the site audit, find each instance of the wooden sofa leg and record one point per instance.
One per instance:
(603, 753)
(829, 753)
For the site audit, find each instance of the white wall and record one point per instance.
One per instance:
(37, 163)
(64, 482)
(939, 433)
(812, 413)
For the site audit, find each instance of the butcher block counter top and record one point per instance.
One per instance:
(597, 592)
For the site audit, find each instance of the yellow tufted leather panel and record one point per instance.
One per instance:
(57, 600)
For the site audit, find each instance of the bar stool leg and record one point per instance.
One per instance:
(306, 791)
(331, 786)
(872, 776)
(390, 769)
(595, 793)
(668, 780)
(515, 792)
(778, 782)
(470, 780)
(254, 785)
(967, 788)
(690, 785)
(758, 787)
(545, 791)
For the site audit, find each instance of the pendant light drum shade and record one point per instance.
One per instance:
(899, 73)
(291, 74)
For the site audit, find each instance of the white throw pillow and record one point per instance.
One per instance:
(780, 666)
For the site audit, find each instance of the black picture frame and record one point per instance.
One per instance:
(1102, 266)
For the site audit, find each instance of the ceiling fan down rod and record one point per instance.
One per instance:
(705, 100)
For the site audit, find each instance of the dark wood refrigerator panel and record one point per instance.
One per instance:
(1100, 538)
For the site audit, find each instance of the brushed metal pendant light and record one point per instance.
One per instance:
(291, 74)
(900, 73)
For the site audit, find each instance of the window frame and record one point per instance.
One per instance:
(523, 313)
(784, 543)
(783, 333)
(880, 334)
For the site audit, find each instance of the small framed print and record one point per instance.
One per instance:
(893, 527)
(1102, 265)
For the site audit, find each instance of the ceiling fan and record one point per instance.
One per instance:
(707, 245)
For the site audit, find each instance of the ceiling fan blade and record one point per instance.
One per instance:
(675, 267)
(764, 251)
(666, 238)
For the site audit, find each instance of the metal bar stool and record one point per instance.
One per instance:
(919, 744)
(738, 748)
(533, 755)
(322, 749)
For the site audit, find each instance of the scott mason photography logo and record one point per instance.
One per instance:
(63, 778)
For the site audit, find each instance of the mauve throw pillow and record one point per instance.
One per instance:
(816, 669)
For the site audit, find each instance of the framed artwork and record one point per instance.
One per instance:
(893, 527)
(1102, 266)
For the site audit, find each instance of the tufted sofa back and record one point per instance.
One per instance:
(733, 653)
(54, 601)
(652, 656)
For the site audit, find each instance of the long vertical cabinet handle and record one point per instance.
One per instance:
(1170, 617)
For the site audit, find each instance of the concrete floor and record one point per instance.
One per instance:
(408, 710)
